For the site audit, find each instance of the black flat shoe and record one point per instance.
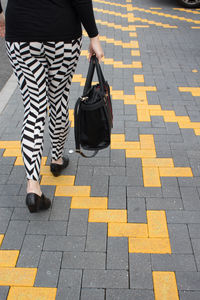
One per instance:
(35, 202)
(56, 169)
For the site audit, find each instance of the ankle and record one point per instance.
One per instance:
(33, 186)
(58, 161)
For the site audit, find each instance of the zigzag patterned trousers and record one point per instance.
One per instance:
(44, 71)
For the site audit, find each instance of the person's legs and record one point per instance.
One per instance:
(30, 67)
(62, 62)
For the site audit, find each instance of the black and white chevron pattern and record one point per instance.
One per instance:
(44, 72)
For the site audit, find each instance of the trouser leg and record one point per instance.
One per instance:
(30, 67)
(62, 60)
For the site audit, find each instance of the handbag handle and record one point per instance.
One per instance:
(94, 63)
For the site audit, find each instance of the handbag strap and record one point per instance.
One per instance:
(94, 64)
(77, 131)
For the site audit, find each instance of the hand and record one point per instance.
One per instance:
(2, 25)
(95, 48)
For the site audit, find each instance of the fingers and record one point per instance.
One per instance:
(95, 48)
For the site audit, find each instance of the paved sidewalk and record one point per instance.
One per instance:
(124, 225)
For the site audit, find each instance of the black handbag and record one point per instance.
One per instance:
(93, 117)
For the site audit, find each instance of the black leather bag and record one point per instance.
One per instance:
(93, 117)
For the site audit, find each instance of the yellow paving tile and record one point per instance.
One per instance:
(60, 180)
(157, 224)
(70, 191)
(157, 162)
(117, 138)
(127, 229)
(151, 177)
(125, 145)
(8, 258)
(197, 131)
(143, 115)
(17, 276)
(1, 238)
(9, 144)
(194, 125)
(106, 216)
(165, 286)
(45, 170)
(147, 141)
(175, 172)
(140, 153)
(12, 152)
(149, 245)
(32, 293)
(138, 78)
(135, 53)
(89, 202)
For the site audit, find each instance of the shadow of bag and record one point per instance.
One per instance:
(93, 117)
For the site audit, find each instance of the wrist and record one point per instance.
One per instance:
(94, 38)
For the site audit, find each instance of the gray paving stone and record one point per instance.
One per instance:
(117, 197)
(17, 175)
(3, 226)
(47, 227)
(132, 294)
(117, 158)
(190, 198)
(140, 271)
(173, 262)
(64, 243)
(28, 259)
(4, 292)
(189, 295)
(183, 217)
(194, 231)
(109, 171)
(60, 209)
(92, 294)
(141, 192)
(69, 285)
(78, 222)
(99, 186)
(179, 239)
(33, 242)
(96, 237)
(12, 201)
(188, 281)
(83, 260)
(117, 253)
(126, 181)
(10, 189)
(14, 236)
(196, 245)
(136, 210)
(84, 175)
(22, 213)
(164, 203)
(105, 279)
(49, 269)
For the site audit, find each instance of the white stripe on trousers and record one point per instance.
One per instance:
(44, 71)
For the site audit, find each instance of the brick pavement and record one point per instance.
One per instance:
(126, 224)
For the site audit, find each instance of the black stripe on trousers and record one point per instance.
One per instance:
(44, 72)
